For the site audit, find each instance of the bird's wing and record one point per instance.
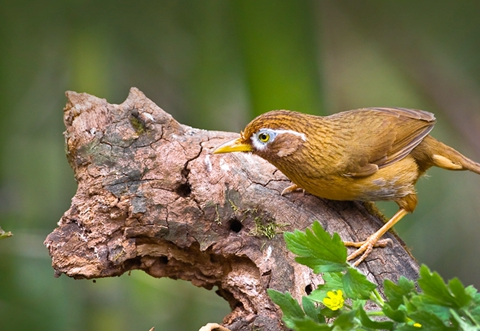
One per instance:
(382, 136)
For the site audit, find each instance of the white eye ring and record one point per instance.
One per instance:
(263, 137)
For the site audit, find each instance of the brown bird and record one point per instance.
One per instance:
(367, 154)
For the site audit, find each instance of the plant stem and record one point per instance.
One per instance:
(377, 298)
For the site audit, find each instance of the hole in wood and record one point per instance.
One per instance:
(308, 289)
(163, 259)
(184, 190)
(235, 225)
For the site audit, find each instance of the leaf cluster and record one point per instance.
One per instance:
(4, 234)
(435, 305)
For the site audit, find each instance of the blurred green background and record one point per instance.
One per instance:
(215, 65)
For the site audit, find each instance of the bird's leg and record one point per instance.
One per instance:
(291, 188)
(366, 247)
(380, 243)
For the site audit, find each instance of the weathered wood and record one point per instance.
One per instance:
(151, 196)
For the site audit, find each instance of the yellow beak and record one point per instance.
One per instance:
(236, 145)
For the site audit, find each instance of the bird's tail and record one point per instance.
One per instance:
(446, 157)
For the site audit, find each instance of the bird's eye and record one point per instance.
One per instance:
(263, 137)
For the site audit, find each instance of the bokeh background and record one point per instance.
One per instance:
(215, 65)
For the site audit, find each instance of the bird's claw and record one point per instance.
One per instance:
(292, 188)
(365, 248)
(380, 243)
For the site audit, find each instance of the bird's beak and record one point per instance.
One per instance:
(236, 145)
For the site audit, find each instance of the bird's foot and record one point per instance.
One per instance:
(365, 248)
(292, 188)
(380, 243)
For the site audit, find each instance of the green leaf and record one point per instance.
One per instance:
(463, 323)
(407, 327)
(346, 321)
(475, 311)
(429, 321)
(356, 285)
(316, 249)
(307, 324)
(333, 282)
(328, 313)
(289, 306)
(319, 294)
(433, 285)
(410, 327)
(396, 292)
(472, 291)
(425, 303)
(435, 288)
(395, 315)
(312, 311)
(4, 234)
(461, 296)
(367, 322)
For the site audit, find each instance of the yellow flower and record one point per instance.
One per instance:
(334, 300)
(417, 325)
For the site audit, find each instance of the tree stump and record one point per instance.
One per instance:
(152, 196)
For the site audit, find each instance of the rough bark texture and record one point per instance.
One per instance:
(151, 196)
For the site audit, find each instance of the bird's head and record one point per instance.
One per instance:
(273, 136)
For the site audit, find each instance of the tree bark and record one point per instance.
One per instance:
(151, 196)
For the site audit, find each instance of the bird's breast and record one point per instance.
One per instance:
(390, 183)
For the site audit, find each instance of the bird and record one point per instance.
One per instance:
(367, 154)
